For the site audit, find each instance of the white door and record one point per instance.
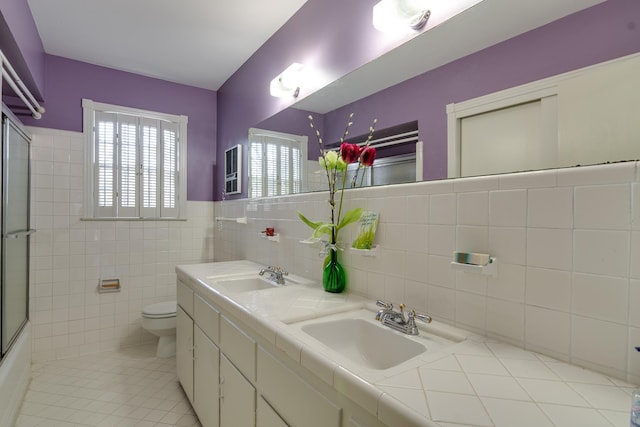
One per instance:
(184, 351)
(237, 397)
(206, 391)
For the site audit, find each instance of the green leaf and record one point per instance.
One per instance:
(311, 224)
(323, 228)
(350, 217)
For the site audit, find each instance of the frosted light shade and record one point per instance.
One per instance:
(288, 82)
(391, 16)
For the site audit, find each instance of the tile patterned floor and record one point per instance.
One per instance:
(126, 388)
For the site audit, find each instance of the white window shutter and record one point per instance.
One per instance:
(170, 177)
(104, 164)
(256, 170)
(272, 169)
(285, 169)
(127, 176)
(276, 163)
(150, 168)
(137, 162)
(296, 170)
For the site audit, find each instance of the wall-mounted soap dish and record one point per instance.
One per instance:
(489, 266)
(274, 238)
(366, 252)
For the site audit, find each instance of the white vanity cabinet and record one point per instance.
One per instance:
(237, 372)
(184, 338)
(266, 416)
(197, 355)
(296, 400)
(218, 391)
(184, 351)
(236, 378)
(206, 390)
(237, 397)
(206, 362)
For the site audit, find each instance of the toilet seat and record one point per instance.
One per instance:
(162, 310)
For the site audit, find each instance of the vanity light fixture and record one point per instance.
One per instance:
(287, 84)
(392, 16)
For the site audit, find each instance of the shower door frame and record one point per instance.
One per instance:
(9, 120)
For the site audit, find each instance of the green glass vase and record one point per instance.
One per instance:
(334, 278)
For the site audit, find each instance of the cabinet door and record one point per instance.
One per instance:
(296, 400)
(206, 391)
(266, 416)
(184, 351)
(237, 397)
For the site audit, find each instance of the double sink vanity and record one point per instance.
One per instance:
(261, 348)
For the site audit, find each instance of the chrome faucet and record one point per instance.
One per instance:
(396, 319)
(276, 274)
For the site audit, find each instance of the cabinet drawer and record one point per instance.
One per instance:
(297, 402)
(207, 318)
(185, 298)
(239, 347)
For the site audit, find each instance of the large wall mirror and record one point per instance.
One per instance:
(583, 110)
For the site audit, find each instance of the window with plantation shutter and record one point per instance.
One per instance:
(276, 163)
(137, 163)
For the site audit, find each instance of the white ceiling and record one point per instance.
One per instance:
(195, 42)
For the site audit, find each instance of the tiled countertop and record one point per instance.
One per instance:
(477, 382)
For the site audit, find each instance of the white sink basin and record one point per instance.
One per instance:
(254, 282)
(365, 343)
(358, 337)
(245, 284)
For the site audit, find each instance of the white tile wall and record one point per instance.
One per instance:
(69, 255)
(566, 240)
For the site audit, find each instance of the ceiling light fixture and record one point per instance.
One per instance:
(287, 84)
(392, 16)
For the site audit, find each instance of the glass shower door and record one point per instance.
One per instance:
(15, 231)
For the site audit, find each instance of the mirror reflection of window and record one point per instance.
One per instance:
(396, 157)
(232, 168)
(277, 163)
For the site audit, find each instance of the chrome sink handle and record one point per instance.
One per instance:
(387, 308)
(412, 328)
(424, 317)
(276, 274)
(397, 320)
(384, 304)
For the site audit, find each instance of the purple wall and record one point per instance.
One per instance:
(606, 31)
(62, 83)
(21, 44)
(331, 35)
(296, 122)
(603, 32)
(69, 81)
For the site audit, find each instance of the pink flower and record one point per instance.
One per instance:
(367, 156)
(349, 152)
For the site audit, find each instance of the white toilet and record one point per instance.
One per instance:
(160, 320)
